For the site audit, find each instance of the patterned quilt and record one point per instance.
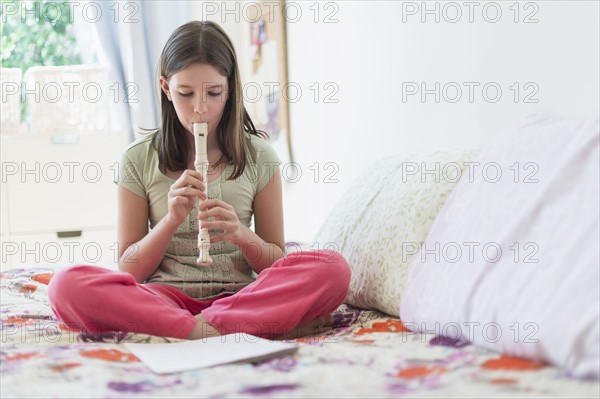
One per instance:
(365, 354)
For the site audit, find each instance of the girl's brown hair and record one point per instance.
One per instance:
(204, 42)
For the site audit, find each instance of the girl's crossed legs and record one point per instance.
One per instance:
(291, 294)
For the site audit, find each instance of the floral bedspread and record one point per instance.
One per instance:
(366, 354)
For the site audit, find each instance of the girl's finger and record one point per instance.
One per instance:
(219, 237)
(187, 192)
(188, 179)
(215, 212)
(179, 200)
(193, 173)
(215, 202)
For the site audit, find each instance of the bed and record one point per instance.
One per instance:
(381, 225)
(365, 354)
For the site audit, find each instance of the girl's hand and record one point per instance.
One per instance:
(183, 193)
(225, 219)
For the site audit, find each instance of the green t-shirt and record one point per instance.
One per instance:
(230, 271)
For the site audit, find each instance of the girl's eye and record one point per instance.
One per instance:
(185, 94)
(214, 94)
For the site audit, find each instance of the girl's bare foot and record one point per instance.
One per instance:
(314, 327)
(203, 329)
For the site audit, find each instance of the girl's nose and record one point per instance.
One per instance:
(200, 106)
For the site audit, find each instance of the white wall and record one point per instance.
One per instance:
(364, 55)
(370, 53)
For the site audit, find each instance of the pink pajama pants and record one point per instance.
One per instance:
(292, 292)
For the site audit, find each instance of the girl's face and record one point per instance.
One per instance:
(199, 94)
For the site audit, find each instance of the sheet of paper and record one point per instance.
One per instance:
(189, 355)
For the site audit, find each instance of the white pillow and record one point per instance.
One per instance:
(392, 203)
(539, 298)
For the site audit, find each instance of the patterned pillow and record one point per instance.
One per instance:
(381, 221)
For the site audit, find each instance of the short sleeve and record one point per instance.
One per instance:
(267, 162)
(129, 175)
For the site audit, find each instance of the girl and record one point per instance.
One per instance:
(250, 287)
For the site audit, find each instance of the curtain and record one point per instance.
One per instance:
(131, 36)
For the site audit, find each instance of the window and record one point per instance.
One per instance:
(38, 36)
(38, 33)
